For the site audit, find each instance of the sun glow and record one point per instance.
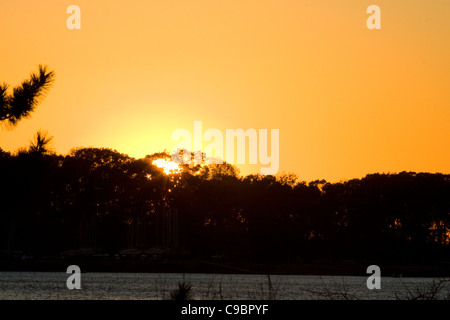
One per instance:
(168, 166)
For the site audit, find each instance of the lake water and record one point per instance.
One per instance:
(154, 286)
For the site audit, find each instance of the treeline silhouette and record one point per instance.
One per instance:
(99, 198)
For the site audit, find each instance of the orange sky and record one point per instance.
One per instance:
(347, 100)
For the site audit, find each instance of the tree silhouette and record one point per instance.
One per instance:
(41, 143)
(25, 97)
(101, 199)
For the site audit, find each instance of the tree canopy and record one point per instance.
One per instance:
(103, 199)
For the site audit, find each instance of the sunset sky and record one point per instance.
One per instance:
(347, 100)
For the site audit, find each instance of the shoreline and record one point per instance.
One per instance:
(189, 266)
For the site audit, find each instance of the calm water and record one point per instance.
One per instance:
(151, 286)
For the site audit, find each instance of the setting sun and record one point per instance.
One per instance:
(169, 167)
(347, 100)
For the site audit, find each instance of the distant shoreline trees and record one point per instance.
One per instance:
(99, 198)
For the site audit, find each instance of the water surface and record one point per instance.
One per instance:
(158, 286)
